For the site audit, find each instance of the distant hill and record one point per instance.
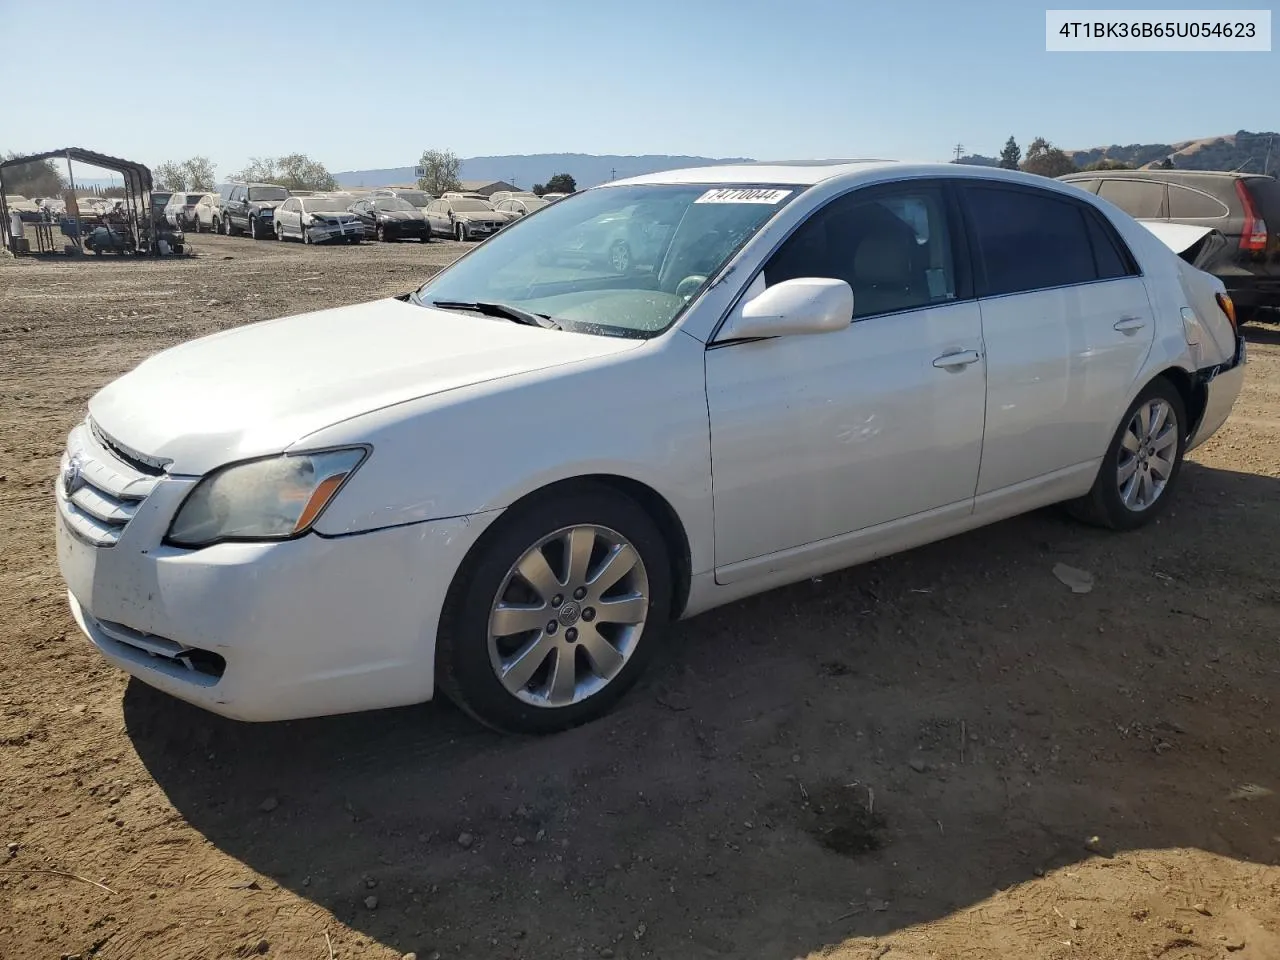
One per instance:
(1241, 150)
(526, 170)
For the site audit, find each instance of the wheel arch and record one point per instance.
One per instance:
(653, 503)
(1194, 393)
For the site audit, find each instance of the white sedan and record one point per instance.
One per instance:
(503, 484)
(318, 219)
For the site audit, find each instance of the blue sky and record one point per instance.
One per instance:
(373, 83)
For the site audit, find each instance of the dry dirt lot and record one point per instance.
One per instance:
(906, 760)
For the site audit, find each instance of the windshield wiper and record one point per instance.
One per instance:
(504, 310)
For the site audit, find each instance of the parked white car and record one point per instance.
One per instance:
(205, 215)
(317, 219)
(505, 484)
(180, 208)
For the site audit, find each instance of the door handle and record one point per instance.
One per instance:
(1130, 324)
(954, 361)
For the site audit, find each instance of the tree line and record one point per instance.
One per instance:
(1043, 158)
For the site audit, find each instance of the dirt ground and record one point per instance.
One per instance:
(946, 754)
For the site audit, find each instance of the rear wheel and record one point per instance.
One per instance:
(1142, 463)
(556, 613)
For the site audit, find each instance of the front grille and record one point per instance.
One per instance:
(185, 663)
(101, 487)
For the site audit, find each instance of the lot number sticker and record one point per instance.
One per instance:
(743, 195)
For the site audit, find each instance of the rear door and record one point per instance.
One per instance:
(1067, 325)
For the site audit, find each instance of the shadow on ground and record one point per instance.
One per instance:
(838, 758)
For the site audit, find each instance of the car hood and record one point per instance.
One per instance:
(479, 215)
(257, 389)
(399, 214)
(265, 204)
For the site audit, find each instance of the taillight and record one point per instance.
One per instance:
(1228, 307)
(1254, 236)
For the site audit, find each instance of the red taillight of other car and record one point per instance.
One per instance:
(1254, 236)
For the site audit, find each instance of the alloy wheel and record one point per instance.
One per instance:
(568, 616)
(1148, 452)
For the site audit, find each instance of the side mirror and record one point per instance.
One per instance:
(801, 306)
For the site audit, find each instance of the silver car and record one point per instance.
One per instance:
(463, 218)
(317, 220)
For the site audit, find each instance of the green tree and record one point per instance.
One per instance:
(296, 171)
(539, 189)
(38, 179)
(1011, 155)
(561, 183)
(1047, 160)
(193, 174)
(1107, 163)
(441, 169)
(1166, 163)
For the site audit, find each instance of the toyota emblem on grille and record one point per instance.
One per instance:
(72, 476)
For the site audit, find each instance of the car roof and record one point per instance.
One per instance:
(808, 173)
(1153, 174)
(798, 172)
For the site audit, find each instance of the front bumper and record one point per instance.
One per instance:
(320, 232)
(1223, 383)
(264, 631)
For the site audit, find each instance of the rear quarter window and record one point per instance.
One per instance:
(1186, 203)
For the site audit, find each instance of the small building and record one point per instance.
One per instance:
(486, 188)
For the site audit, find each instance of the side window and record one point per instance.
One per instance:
(1137, 198)
(1028, 239)
(237, 194)
(1188, 204)
(1110, 255)
(1088, 186)
(893, 247)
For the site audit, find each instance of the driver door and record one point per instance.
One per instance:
(824, 445)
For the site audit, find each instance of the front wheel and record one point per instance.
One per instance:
(253, 227)
(460, 233)
(556, 612)
(1142, 463)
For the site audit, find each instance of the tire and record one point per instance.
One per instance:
(228, 227)
(460, 233)
(199, 225)
(468, 657)
(1105, 505)
(306, 237)
(253, 228)
(379, 234)
(279, 233)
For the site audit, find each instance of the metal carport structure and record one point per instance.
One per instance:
(137, 188)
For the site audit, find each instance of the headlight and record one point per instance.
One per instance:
(271, 499)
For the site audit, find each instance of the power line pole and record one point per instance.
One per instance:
(959, 150)
(613, 173)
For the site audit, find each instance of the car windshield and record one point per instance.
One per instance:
(325, 204)
(416, 197)
(469, 206)
(533, 203)
(393, 203)
(268, 193)
(616, 261)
